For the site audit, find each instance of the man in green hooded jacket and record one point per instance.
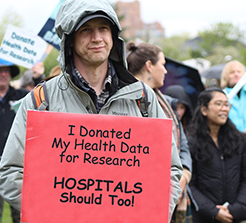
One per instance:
(94, 80)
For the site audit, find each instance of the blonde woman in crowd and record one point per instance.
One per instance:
(230, 76)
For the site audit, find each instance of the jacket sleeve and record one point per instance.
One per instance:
(11, 168)
(176, 166)
(206, 207)
(176, 173)
(238, 208)
(184, 150)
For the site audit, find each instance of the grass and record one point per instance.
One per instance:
(6, 216)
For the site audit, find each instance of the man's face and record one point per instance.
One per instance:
(5, 76)
(93, 42)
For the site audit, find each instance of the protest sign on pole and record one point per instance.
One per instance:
(48, 32)
(96, 168)
(22, 47)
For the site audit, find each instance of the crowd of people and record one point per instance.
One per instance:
(208, 154)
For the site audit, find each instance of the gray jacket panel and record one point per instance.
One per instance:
(60, 91)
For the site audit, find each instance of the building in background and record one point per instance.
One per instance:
(133, 27)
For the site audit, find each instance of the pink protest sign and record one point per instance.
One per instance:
(96, 168)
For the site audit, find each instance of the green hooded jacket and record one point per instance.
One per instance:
(65, 96)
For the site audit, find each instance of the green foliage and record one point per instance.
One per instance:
(172, 47)
(220, 52)
(9, 17)
(221, 35)
(243, 55)
(196, 54)
(51, 61)
(217, 41)
(6, 215)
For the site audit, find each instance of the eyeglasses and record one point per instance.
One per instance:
(221, 104)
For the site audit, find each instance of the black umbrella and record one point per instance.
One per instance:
(184, 75)
(213, 72)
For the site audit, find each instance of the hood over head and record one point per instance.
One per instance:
(93, 16)
(178, 92)
(74, 13)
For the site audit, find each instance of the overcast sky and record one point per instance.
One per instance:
(176, 16)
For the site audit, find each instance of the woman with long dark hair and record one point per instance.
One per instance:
(147, 63)
(218, 152)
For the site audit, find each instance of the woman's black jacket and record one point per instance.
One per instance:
(222, 180)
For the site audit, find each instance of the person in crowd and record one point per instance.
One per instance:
(26, 80)
(184, 105)
(94, 79)
(146, 62)
(218, 152)
(231, 74)
(38, 72)
(33, 76)
(8, 96)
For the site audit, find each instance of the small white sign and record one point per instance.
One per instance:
(237, 87)
(22, 47)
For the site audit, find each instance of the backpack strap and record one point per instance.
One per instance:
(41, 102)
(143, 102)
(40, 97)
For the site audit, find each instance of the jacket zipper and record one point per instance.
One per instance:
(223, 176)
(115, 97)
